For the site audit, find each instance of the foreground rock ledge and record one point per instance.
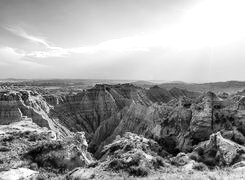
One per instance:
(26, 145)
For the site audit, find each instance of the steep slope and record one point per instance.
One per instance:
(178, 128)
(87, 110)
(18, 105)
(177, 93)
(136, 118)
(160, 95)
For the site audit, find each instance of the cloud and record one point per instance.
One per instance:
(15, 64)
(8, 54)
(121, 45)
(196, 30)
(22, 33)
(115, 46)
(10, 57)
(142, 42)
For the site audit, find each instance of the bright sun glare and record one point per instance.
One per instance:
(211, 23)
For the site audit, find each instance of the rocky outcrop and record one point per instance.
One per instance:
(24, 144)
(192, 122)
(10, 107)
(201, 124)
(63, 155)
(20, 105)
(16, 138)
(175, 130)
(133, 154)
(219, 151)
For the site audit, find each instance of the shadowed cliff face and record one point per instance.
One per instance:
(179, 126)
(87, 110)
(139, 119)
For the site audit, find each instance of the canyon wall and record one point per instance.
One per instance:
(177, 119)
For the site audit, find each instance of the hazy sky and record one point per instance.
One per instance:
(187, 40)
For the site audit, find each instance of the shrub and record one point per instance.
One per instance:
(200, 167)
(194, 156)
(138, 171)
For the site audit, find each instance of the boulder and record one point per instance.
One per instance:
(61, 155)
(133, 154)
(219, 151)
(25, 144)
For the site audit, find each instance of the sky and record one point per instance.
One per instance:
(171, 40)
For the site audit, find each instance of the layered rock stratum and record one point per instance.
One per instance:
(112, 128)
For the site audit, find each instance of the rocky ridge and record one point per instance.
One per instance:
(186, 130)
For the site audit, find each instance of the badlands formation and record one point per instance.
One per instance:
(121, 132)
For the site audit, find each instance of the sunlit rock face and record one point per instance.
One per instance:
(10, 103)
(20, 105)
